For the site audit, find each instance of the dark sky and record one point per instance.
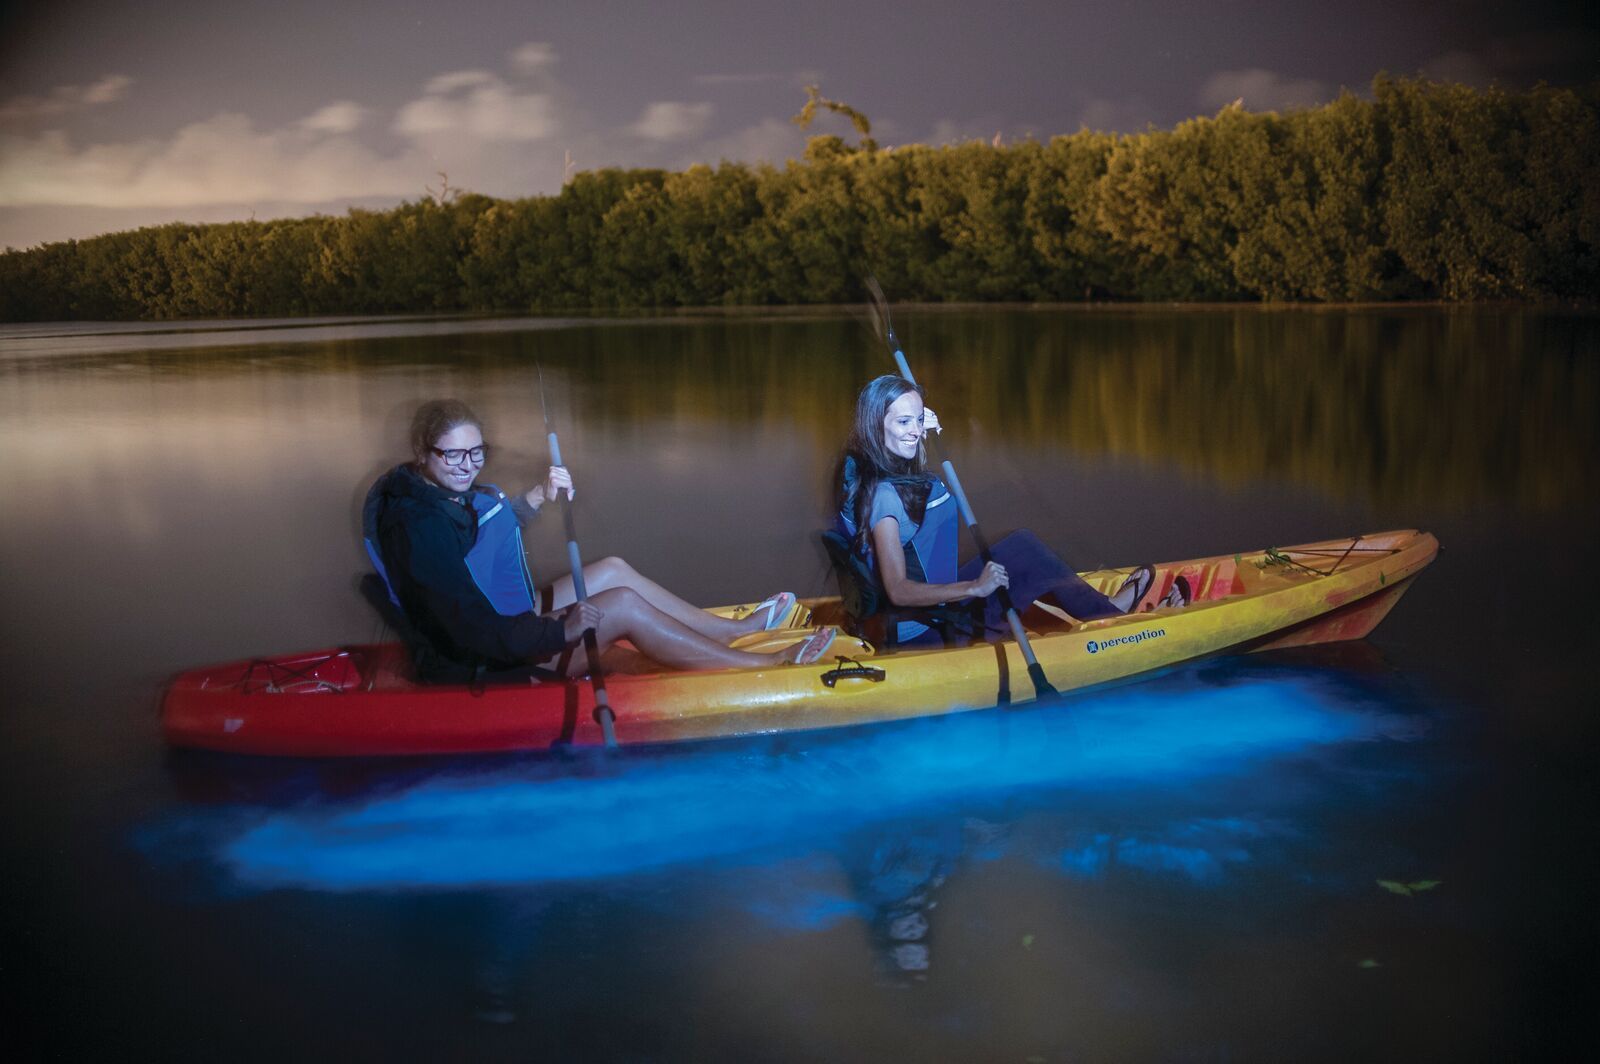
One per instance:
(121, 113)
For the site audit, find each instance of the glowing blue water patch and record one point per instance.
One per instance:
(804, 909)
(643, 814)
(1199, 860)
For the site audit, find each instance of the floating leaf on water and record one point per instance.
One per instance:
(1425, 884)
(1027, 941)
(1369, 963)
(1394, 888)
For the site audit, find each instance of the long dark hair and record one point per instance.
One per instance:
(866, 462)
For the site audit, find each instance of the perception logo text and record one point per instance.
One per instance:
(1094, 647)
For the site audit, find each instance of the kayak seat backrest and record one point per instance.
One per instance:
(1219, 581)
(375, 589)
(859, 592)
(428, 666)
(868, 611)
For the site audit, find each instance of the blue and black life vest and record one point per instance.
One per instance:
(496, 559)
(931, 551)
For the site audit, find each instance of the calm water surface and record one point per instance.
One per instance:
(1186, 868)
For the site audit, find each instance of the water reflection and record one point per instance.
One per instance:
(1445, 407)
(897, 883)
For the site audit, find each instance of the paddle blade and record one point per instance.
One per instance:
(880, 311)
(544, 407)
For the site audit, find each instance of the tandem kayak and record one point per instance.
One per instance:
(363, 700)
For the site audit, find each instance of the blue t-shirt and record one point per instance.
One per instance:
(886, 502)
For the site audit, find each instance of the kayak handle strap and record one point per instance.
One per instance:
(852, 670)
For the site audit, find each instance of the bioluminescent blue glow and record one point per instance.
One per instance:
(1200, 861)
(799, 908)
(502, 827)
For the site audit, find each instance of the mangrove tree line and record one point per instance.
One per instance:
(1423, 191)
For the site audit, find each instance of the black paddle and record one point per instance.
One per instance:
(602, 703)
(1041, 686)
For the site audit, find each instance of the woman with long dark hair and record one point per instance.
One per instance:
(450, 551)
(903, 518)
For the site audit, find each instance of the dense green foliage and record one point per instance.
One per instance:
(1425, 191)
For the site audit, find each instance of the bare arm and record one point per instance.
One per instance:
(904, 591)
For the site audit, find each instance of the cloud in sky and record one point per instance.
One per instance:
(223, 159)
(445, 84)
(340, 117)
(1263, 90)
(461, 122)
(533, 56)
(480, 105)
(669, 120)
(463, 106)
(500, 128)
(66, 98)
(491, 130)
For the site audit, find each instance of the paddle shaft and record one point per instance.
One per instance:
(1041, 685)
(602, 702)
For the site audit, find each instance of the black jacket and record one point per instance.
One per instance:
(424, 533)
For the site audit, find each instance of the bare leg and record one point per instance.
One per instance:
(613, 572)
(661, 637)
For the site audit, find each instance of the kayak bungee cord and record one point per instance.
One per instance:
(1274, 556)
(1041, 686)
(602, 703)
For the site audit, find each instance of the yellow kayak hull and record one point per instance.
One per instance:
(1294, 596)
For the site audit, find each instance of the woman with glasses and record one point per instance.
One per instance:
(450, 550)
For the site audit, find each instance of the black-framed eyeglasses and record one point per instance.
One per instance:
(459, 456)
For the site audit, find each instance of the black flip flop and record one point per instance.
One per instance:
(1180, 584)
(1141, 579)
